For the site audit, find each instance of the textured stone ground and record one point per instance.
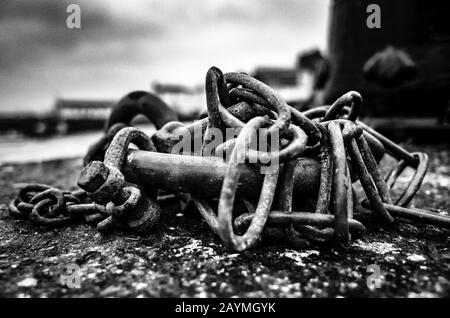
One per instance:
(184, 259)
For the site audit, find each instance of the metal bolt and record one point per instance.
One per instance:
(93, 176)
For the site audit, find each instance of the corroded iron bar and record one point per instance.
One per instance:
(203, 176)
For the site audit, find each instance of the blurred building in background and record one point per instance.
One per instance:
(402, 69)
(78, 115)
(276, 77)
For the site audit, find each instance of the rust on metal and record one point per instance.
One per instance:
(299, 188)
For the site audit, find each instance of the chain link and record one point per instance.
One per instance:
(345, 149)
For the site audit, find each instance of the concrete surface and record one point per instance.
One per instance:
(183, 258)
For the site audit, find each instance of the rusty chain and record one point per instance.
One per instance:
(306, 195)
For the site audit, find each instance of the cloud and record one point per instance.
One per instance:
(126, 44)
(32, 29)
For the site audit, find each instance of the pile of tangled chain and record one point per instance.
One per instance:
(299, 188)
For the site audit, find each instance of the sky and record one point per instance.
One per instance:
(127, 45)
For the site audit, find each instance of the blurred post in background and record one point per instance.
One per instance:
(401, 68)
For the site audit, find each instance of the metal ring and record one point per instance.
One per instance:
(117, 151)
(216, 94)
(37, 217)
(30, 190)
(392, 148)
(228, 193)
(373, 169)
(339, 181)
(141, 102)
(17, 212)
(326, 174)
(297, 117)
(419, 215)
(299, 218)
(132, 195)
(294, 149)
(325, 188)
(316, 112)
(273, 98)
(353, 98)
(207, 213)
(367, 182)
(285, 204)
(248, 95)
(414, 184)
(54, 195)
(97, 150)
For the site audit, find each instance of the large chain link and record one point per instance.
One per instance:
(346, 149)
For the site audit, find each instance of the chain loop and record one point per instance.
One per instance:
(343, 149)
